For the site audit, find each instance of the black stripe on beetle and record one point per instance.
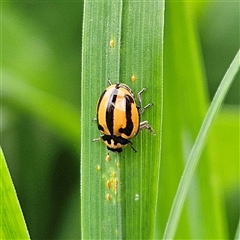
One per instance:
(128, 109)
(110, 109)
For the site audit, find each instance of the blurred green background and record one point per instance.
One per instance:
(41, 54)
(41, 74)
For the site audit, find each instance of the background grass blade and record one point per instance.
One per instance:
(237, 236)
(12, 224)
(198, 146)
(185, 105)
(122, 41)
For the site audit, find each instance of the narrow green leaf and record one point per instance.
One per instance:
(185, 105)
(12, 225)
(237, 236)
(198, 146)
(122, 41)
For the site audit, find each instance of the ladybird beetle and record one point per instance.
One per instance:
(118, 116)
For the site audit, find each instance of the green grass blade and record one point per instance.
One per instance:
(198, 146)
(101, 24)
(237, 236)
(184, 109)
(12, 225)
(122, 41)
(142, 56)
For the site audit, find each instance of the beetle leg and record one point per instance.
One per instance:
(146, 125)
(94, 119)
(97, 139)
(142, 109)
(140, 97)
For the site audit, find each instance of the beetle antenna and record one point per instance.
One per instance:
(109, 82)
(133, 148)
